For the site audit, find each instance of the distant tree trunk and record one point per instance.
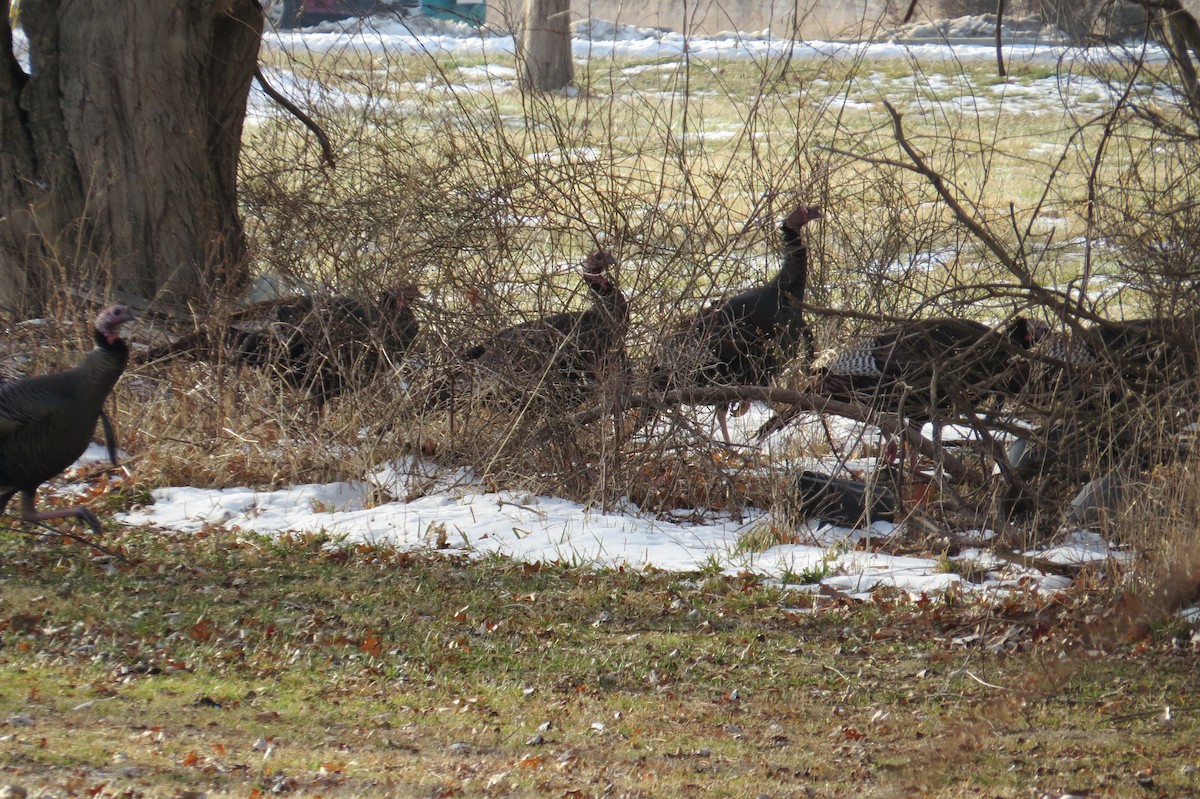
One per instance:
(1181, 33)
(119, 146)
(547, 46)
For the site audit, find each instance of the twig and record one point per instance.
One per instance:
(999, 52)
(1146, 714)
(1044, 295)
(984, 683)
(799, 402)
(877, 317)
(294, 110)
(1041, 564)
(839, 673)
(48, 530)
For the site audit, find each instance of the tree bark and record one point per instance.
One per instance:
(119, 147)
(547, 46)
(1183, 39)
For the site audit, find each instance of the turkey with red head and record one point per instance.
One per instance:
(554, 356)
(47, 421)
(745, 339)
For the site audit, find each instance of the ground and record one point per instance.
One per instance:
(237, 665)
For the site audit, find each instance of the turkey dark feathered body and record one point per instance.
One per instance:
(1143, 356)
(745, 339)
(46, 422)
(338, 344)
(323, 346)
(1107, 395)
(847, 503)
(566, 350)
(921, 369)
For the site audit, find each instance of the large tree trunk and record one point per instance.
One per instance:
(547, 46)
(119, 146)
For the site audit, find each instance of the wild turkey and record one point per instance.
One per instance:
(322, 346)
(1109, 395)
(747, 338)
(923, 369)
(553, 356)
(1143, 356)
(47, 421)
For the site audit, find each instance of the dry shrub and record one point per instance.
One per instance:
(489, 202)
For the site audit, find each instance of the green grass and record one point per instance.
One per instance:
(233, 665)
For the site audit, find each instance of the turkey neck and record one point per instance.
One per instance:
(102, 367)
(793, 277)
(610, 301)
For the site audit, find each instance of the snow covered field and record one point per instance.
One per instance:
(657, 49)
(601, 39)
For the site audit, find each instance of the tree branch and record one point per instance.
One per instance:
(999, 52)
(1046, 296)
(294, 110)
(798, 401)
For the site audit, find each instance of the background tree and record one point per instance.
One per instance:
(119, 142)
(547, 45)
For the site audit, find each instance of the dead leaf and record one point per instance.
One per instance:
(372, 644)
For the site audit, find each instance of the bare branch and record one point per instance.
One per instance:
(799, 402)
(1043, 295)
(294, 110)
(999, 52)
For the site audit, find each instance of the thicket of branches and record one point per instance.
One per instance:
(488, 201)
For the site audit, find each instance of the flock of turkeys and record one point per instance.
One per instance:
(923, 370)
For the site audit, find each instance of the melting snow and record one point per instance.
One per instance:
(413, 504)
